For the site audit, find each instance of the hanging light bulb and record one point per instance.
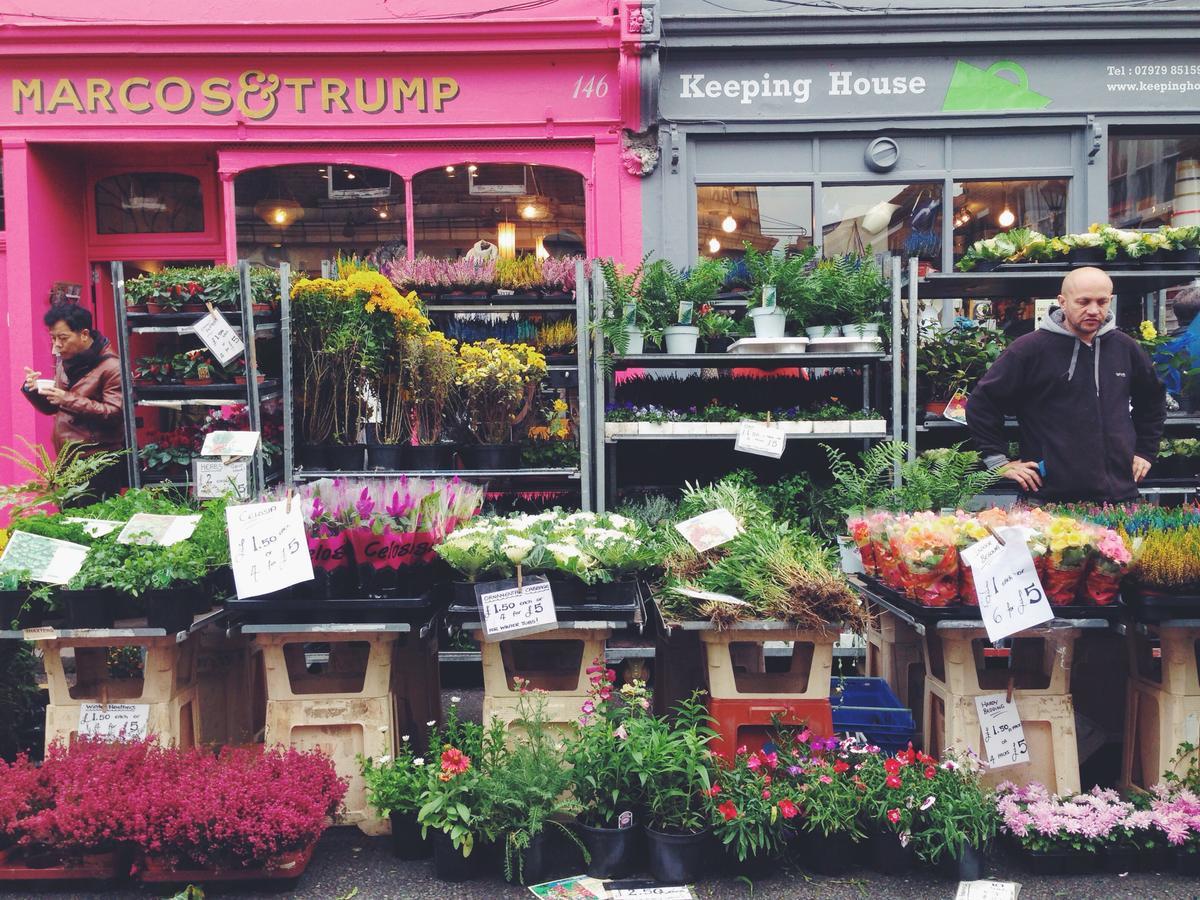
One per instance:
(1006, 218)
(383, 214)
(506, 240)
(472, 168)
(280, 212)
(529, 211)
(450, 170)
(714, 245)
(729, 225)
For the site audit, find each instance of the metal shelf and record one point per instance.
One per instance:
(489, 474)
(939, 424)
(744, 360)
(49, 633)
(488, 307)
(183, 392)
(165, 322)
(1026, 283)
(839, 436)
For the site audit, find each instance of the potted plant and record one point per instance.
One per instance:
(954, 359)
(496, 383)
(1183, 245)
(894, 802)
(169, 455)
(717, 329)
(191, 292)
(557, 340)
(237, 368)
(427, 376)
(394, 787)
(450, 801)
(518, 278)
(152, 370)
(604, 778)
(137, 292)
(476, 553)
(469, 279)
(957, 815)
(987, 254)
(867, 294)
(197, 367)
(822, 297)
(675, 772)
(866, 421)
(780, 275)
(625, 318)
(832, 418)
(1048, 828)
(753, 808)
(622, 551)
(670, 299)
(558, 276)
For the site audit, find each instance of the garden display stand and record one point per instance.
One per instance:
(170, 684)
(1162, 698)
(379, 681)
(895, 654)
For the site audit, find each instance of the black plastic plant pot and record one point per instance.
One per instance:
(528, 866)
(431, 457)
(567, 590)
(1086, 256)
(969, 865)
(888, 855)
(832, 854)
(986, 265)
(677, 858)
(491, 456)
(346, 457)
(625, 592)
(1119, 860)
(380, 583)
(615, 852)
(10, 607)
(170, 609)
(313, 456)
(387, 456)
(1186, 256)
(89, 608)
(448, 863)
(717, 344)
(407, 842)
(462, 593)
(1047, 864)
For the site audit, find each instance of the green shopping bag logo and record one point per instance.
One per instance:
(973, 88)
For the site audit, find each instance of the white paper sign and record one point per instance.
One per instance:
(216, 478)
(219, 337)
(148, 528)
(267, 547)
(45, 559)
(760, 439)
(226, 444)
(95, 527)
(1011, 597)
(662, 892)
(710, 529)
(114, 721)
(1003, 734)
(988, 890)
(518, 609)
(712, 596)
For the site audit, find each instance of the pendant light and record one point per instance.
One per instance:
(506, 239)
(1006, 217)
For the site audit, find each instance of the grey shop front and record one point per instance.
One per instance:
(916, 151)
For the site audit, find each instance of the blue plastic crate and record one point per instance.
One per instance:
(868, 705)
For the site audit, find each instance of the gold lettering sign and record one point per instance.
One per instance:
(253, 95)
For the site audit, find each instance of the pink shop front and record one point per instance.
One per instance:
(290, 143)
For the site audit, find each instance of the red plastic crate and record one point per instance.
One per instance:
(748, 723)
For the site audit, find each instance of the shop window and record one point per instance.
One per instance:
(1154, 181)
(149, 203)
(983, 209)
(768, 217)
(303, 214)
(899, 219)
(517, 208)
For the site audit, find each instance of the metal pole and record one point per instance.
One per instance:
(583, 368)
(914, 319)
(285, 352)
(128, 410)
(253, 409)
(897, 341)
(598, 302)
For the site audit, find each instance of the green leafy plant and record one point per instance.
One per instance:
(955, 359)
(395, 784)
(937, 479)
(675, 769)
(786, 272)
(56, 479)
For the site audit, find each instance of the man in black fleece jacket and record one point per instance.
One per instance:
(1089, 403)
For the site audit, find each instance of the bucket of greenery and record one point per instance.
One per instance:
(604, 773)
(676, 776)
(394, 788)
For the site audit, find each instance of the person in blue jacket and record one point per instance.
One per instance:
(1089, 404)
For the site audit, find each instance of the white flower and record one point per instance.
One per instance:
(419, 761)
(456, 699)
(384, 760)
(404, 737)
(622, 522)
(517, 549)
(431, 723)
(929, 801)
(383, 729)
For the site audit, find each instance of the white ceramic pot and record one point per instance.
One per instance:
(768, 323)
(681, 339)
(851, 558)
(823, 331)
(861, 330)
(637, 341)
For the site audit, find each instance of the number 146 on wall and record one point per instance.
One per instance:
(594, 86)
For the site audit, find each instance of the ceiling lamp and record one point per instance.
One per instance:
(714, 246)
(279, 213)
(1006, 218)
(729, 225)
(535, 207)
(472, 168)
(506, 240)
(540, 250)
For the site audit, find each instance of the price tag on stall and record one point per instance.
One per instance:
(95, 527)
(988, 890)
(1011, 596)
(148, 528)
(219, 337)
(1003, 734)
(507, 610)
(761, 439)
(45, 559)
(114, 721)
(710, 529)
(268, 550)
(229, 444)
(216, 478)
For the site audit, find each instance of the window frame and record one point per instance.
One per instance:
(158, 244)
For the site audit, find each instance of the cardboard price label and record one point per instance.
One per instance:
(114, 721)
(1011, 596)
(45, 559)
(768, 296)
(268, 550)
(1003, 733)
(216, 478)
(760, 439)
(710, 529)
(507, 610)
(219, 337)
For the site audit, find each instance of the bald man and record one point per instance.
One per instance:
(1090, 405)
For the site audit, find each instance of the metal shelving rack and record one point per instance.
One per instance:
(602, 387)
(178, 396)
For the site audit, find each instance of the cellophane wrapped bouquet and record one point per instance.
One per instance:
(1070, 551)
(968, 530)
(1110, 562)
(865, 530)
(929, 559)
(885, 531)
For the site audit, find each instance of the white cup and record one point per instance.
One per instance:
(44, 384)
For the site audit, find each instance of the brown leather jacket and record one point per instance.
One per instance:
(91, 412)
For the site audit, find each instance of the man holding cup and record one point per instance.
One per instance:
(84, 396)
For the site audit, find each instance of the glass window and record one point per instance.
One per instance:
(304, 214)
(900, 219)
(149, 203)
(983, 209)
(1154, 181)
(520, 208)
(769, 217)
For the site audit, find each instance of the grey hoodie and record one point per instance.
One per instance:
(1083, 411)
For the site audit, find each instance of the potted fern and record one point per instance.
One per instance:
(624, 317)
(775, 279)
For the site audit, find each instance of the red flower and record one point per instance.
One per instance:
(892, 781)
(930, 772)
(788, 809)
(766, 795)
(893, 816)
(771, 759)
(455, 762)
(841, 766)
(891, 766)
(728, 810)
(714, 790)
(753, 762)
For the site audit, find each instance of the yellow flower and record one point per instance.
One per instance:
(1149, 332)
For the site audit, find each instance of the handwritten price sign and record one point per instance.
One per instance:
(507, 610)
(219, 337)
(1011, 596)
(267, 547)
(1003, 733)
(114, 721)
(760, 439)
